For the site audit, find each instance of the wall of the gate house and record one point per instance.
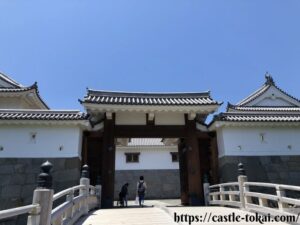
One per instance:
(161, 184)
(21, 157)
(275, 157)
(155, 164)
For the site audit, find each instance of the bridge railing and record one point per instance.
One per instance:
(264, 198)
(79, 200)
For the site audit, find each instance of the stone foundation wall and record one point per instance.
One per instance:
(161, 184)
(273, 169)
(18, 180)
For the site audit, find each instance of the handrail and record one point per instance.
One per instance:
(260, 184)
(67, 191)
(247, 196)
(19, 211)
(271, 185)
(224, 184)
(74, 206)
(59, 210)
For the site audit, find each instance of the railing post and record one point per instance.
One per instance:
(206, 189)
(43, 196)
(84, 180)
(98, 189)
(70, 211)
(242, 178)
(280, 193)
(222, 196)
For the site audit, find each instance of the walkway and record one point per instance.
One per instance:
(159, 213)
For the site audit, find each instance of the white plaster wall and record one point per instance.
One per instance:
(150, 158)
(279, 99)
(276, 141)
(273, 102)
(18, 143)
(130, 118)
(169, 119)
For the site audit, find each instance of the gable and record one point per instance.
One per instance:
(6, 82)
(273, 96)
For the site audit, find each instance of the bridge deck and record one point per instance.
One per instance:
(159, 214)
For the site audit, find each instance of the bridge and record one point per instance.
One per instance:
(82, 205)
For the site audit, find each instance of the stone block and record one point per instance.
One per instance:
(17, 179)
(19, 168)
(276, 159)
(31, 178)
(66, 175)
(6, 169)
(160, 183)
(27, 191)
(5, 179)
(11, 191)
(73, 163)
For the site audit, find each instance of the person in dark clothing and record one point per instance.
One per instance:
(123, 195)
(141, 190)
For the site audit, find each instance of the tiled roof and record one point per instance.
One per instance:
(238, 117)
(9, 81)
(18, 89)
(160, 99)
(41, 115)
(262, 108)
(268, 83)
(24, 89)
(145, 142)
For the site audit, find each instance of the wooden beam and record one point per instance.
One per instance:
(96, 134)
(150, 119)
(142, 131)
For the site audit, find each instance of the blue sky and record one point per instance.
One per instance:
(225, 46)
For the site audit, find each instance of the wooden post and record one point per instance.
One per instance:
(214, 159)
(183, 173)
(195, 186)
(108, 162)
(206, 190)
(43, 196)
(242, 178)
(98, 189)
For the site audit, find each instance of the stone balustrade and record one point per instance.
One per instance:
(79, 201)
(264, 198)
